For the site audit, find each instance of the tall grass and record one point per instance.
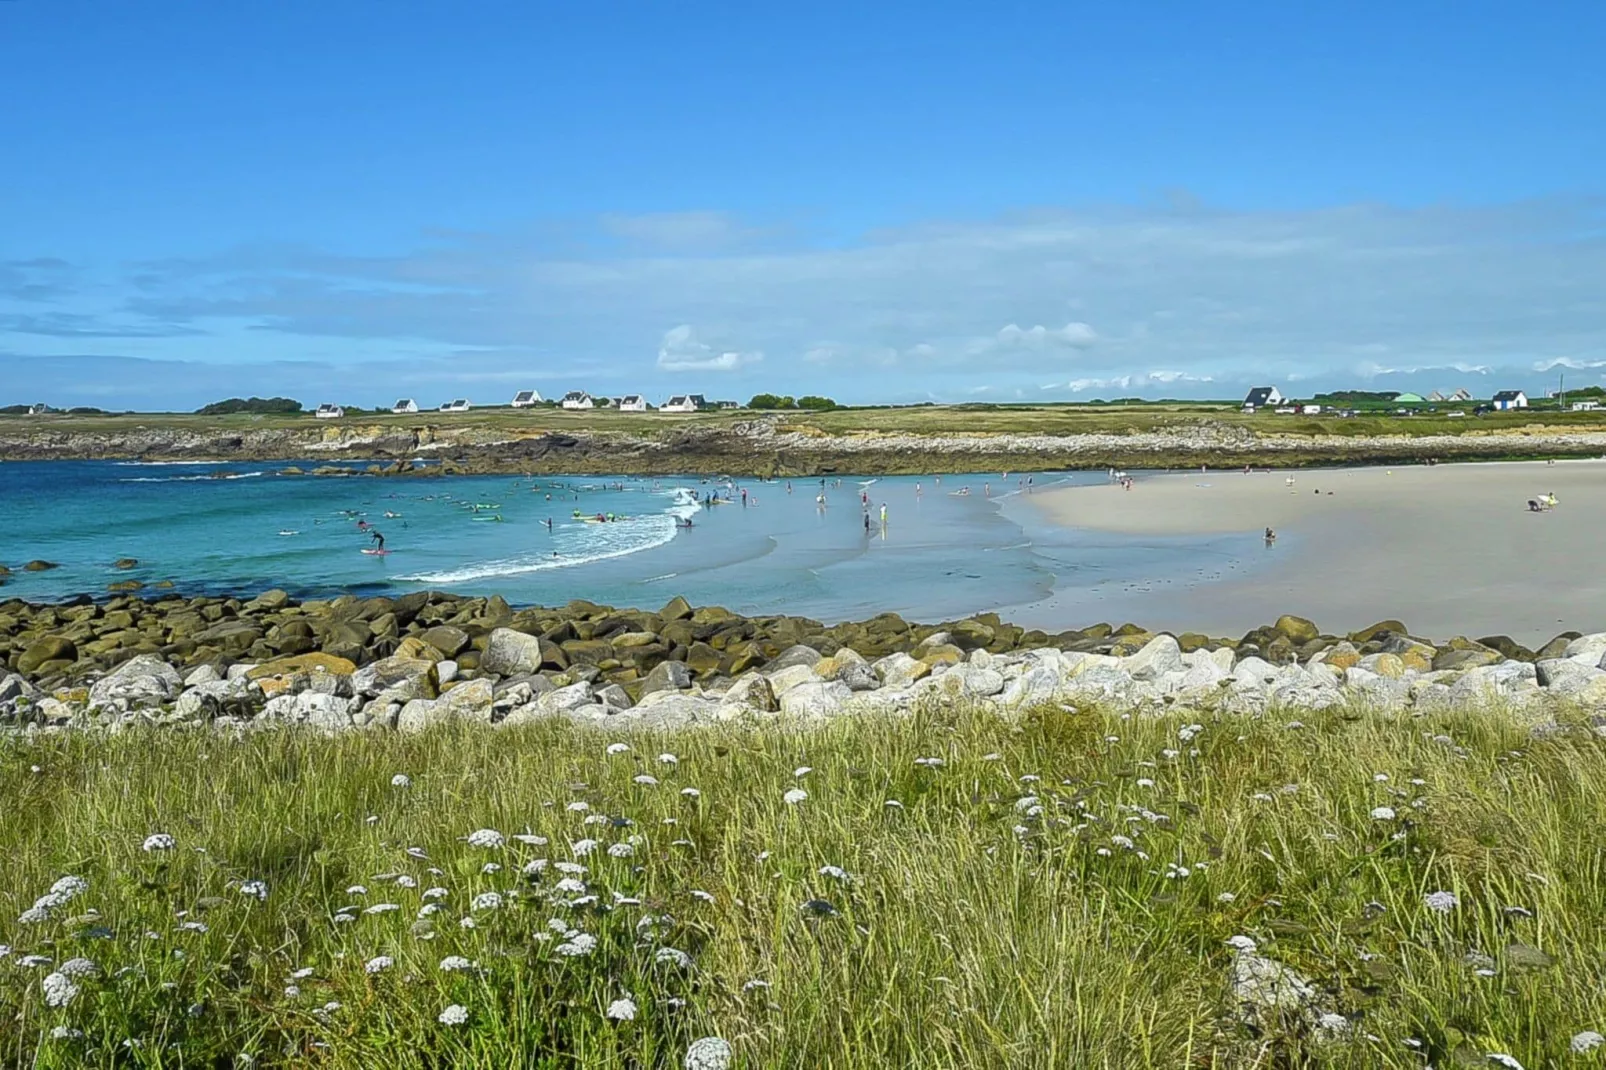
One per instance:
(992, 918)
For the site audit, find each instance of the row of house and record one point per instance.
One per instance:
(1269, 397)
(573, 400)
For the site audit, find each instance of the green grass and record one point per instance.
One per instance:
(942, 419)
(973, 933)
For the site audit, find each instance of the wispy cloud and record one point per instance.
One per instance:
(1109, 299)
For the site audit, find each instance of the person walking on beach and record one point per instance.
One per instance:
(867, 523)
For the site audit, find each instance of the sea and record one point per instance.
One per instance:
(949, 546)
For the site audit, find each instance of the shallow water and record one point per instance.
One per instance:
(240, 529)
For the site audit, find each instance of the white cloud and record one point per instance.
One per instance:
(680, 351)
(1074, 335)
(1567, 362)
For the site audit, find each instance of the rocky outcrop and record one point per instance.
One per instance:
(425, 660)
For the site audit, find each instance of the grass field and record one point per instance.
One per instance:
(1058, 892)
(1015, 419)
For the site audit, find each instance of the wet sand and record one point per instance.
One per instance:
(1448, 549)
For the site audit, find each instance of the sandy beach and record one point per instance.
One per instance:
(1448, 549)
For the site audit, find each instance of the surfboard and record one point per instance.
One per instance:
(377, 553)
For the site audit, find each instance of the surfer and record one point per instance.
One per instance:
(549, 524)
(373, 534)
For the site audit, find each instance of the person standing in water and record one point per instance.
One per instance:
(883, 514)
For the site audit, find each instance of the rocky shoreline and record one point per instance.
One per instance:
(426, 658)
(766, 447)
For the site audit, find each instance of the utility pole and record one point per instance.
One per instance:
(1561, 391)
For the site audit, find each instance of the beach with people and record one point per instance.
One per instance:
(1459, 548)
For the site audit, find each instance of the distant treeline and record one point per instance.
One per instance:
(254, 406)
(786, 401)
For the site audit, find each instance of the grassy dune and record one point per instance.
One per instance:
(1057, 892)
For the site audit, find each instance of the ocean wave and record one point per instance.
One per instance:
(165, 464)
(189, 479)
(621, 539)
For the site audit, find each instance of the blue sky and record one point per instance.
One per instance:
(884, 202)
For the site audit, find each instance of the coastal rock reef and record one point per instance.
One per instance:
(422, 659)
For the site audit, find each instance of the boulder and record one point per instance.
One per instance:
(666, 676)
(1566, 677)
(39, 566)
(792, 656)
(752, 691)
(788, 678)
(139, 683)
(816, 699)
(1296, 630)
(966, 682)
(509, 653)
(564, 699)
(677, 608)
(13, 687)
(1159, 655)
(470, 701)
(448, 640)
(415, 677)
(1377, 631)
(309, 663)
(50, 648)
(1592, 644)
(126, 563)
(672, 710)
(899, 670)
(212, 699)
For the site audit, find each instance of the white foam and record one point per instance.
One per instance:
(189, 479)
(642, 533)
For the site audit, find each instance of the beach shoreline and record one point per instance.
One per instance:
(1452, 548)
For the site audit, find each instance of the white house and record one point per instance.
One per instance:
(40, 409)
(1263, 397)
(577, 399)
(1584, 406)
(683, 403)
(525, 399)
(1461, 394)
(329, 412)
(632, 403)
(1510, 399)
(404, 406)
(456, 405)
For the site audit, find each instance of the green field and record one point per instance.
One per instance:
(1018, 419)
(1057, 892)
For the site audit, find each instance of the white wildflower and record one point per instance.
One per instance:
(929, 763)
(79, 967)
(1588, 1040)
(795, 796)
(618, 748)
(417, 852)
(1145, 782)
(69, 888)
(404, 881)
(646, 781)
(302, 974)
(835, 873)
(698, 893)
(456, 964)
(401, 780)
(157, 841)
(1500, 1058)
(530, 840)
(255, 889)
(577, 946)
(378, 964)
(59, 989)
(581, 848)
(357, 889)
(436, 893)
(691, 793)
(570, 886)
(1382, 813)
(570, 869)
(33, 962)
(534, 867)
(192, 927)
(456, 1014)
(579, 806)
(802, 771)
(1241, 943)
(486, 901)
(622, 1010)
(292, 991)
(672, 956)
(63, 1032)
(382, 908)
(485, 838)
(33, 915)
(1443, 902)
(491, 867)
(668, 759)
(893, 804)
(621, 850)
(709, 1053)
(466, 922)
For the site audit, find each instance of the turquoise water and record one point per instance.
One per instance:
(240, 529)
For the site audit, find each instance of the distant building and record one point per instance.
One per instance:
(1409, 399)
(577, 399)
(1436, 397)
(40, 409)
(1263, 397)
(1310, 410)
(1510, 399)
(456, 405)
(684, 403)
(726, 406)
(1584, 406)
(404, 406)
(1461, 394)
(524, 399)
(632, 403)
(329, 412)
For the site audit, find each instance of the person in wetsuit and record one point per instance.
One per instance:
(373, 533)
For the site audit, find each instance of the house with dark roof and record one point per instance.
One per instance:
(1262, 397)
(1507, 400)
(525, 399)
(684, 403)
(577, 399)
